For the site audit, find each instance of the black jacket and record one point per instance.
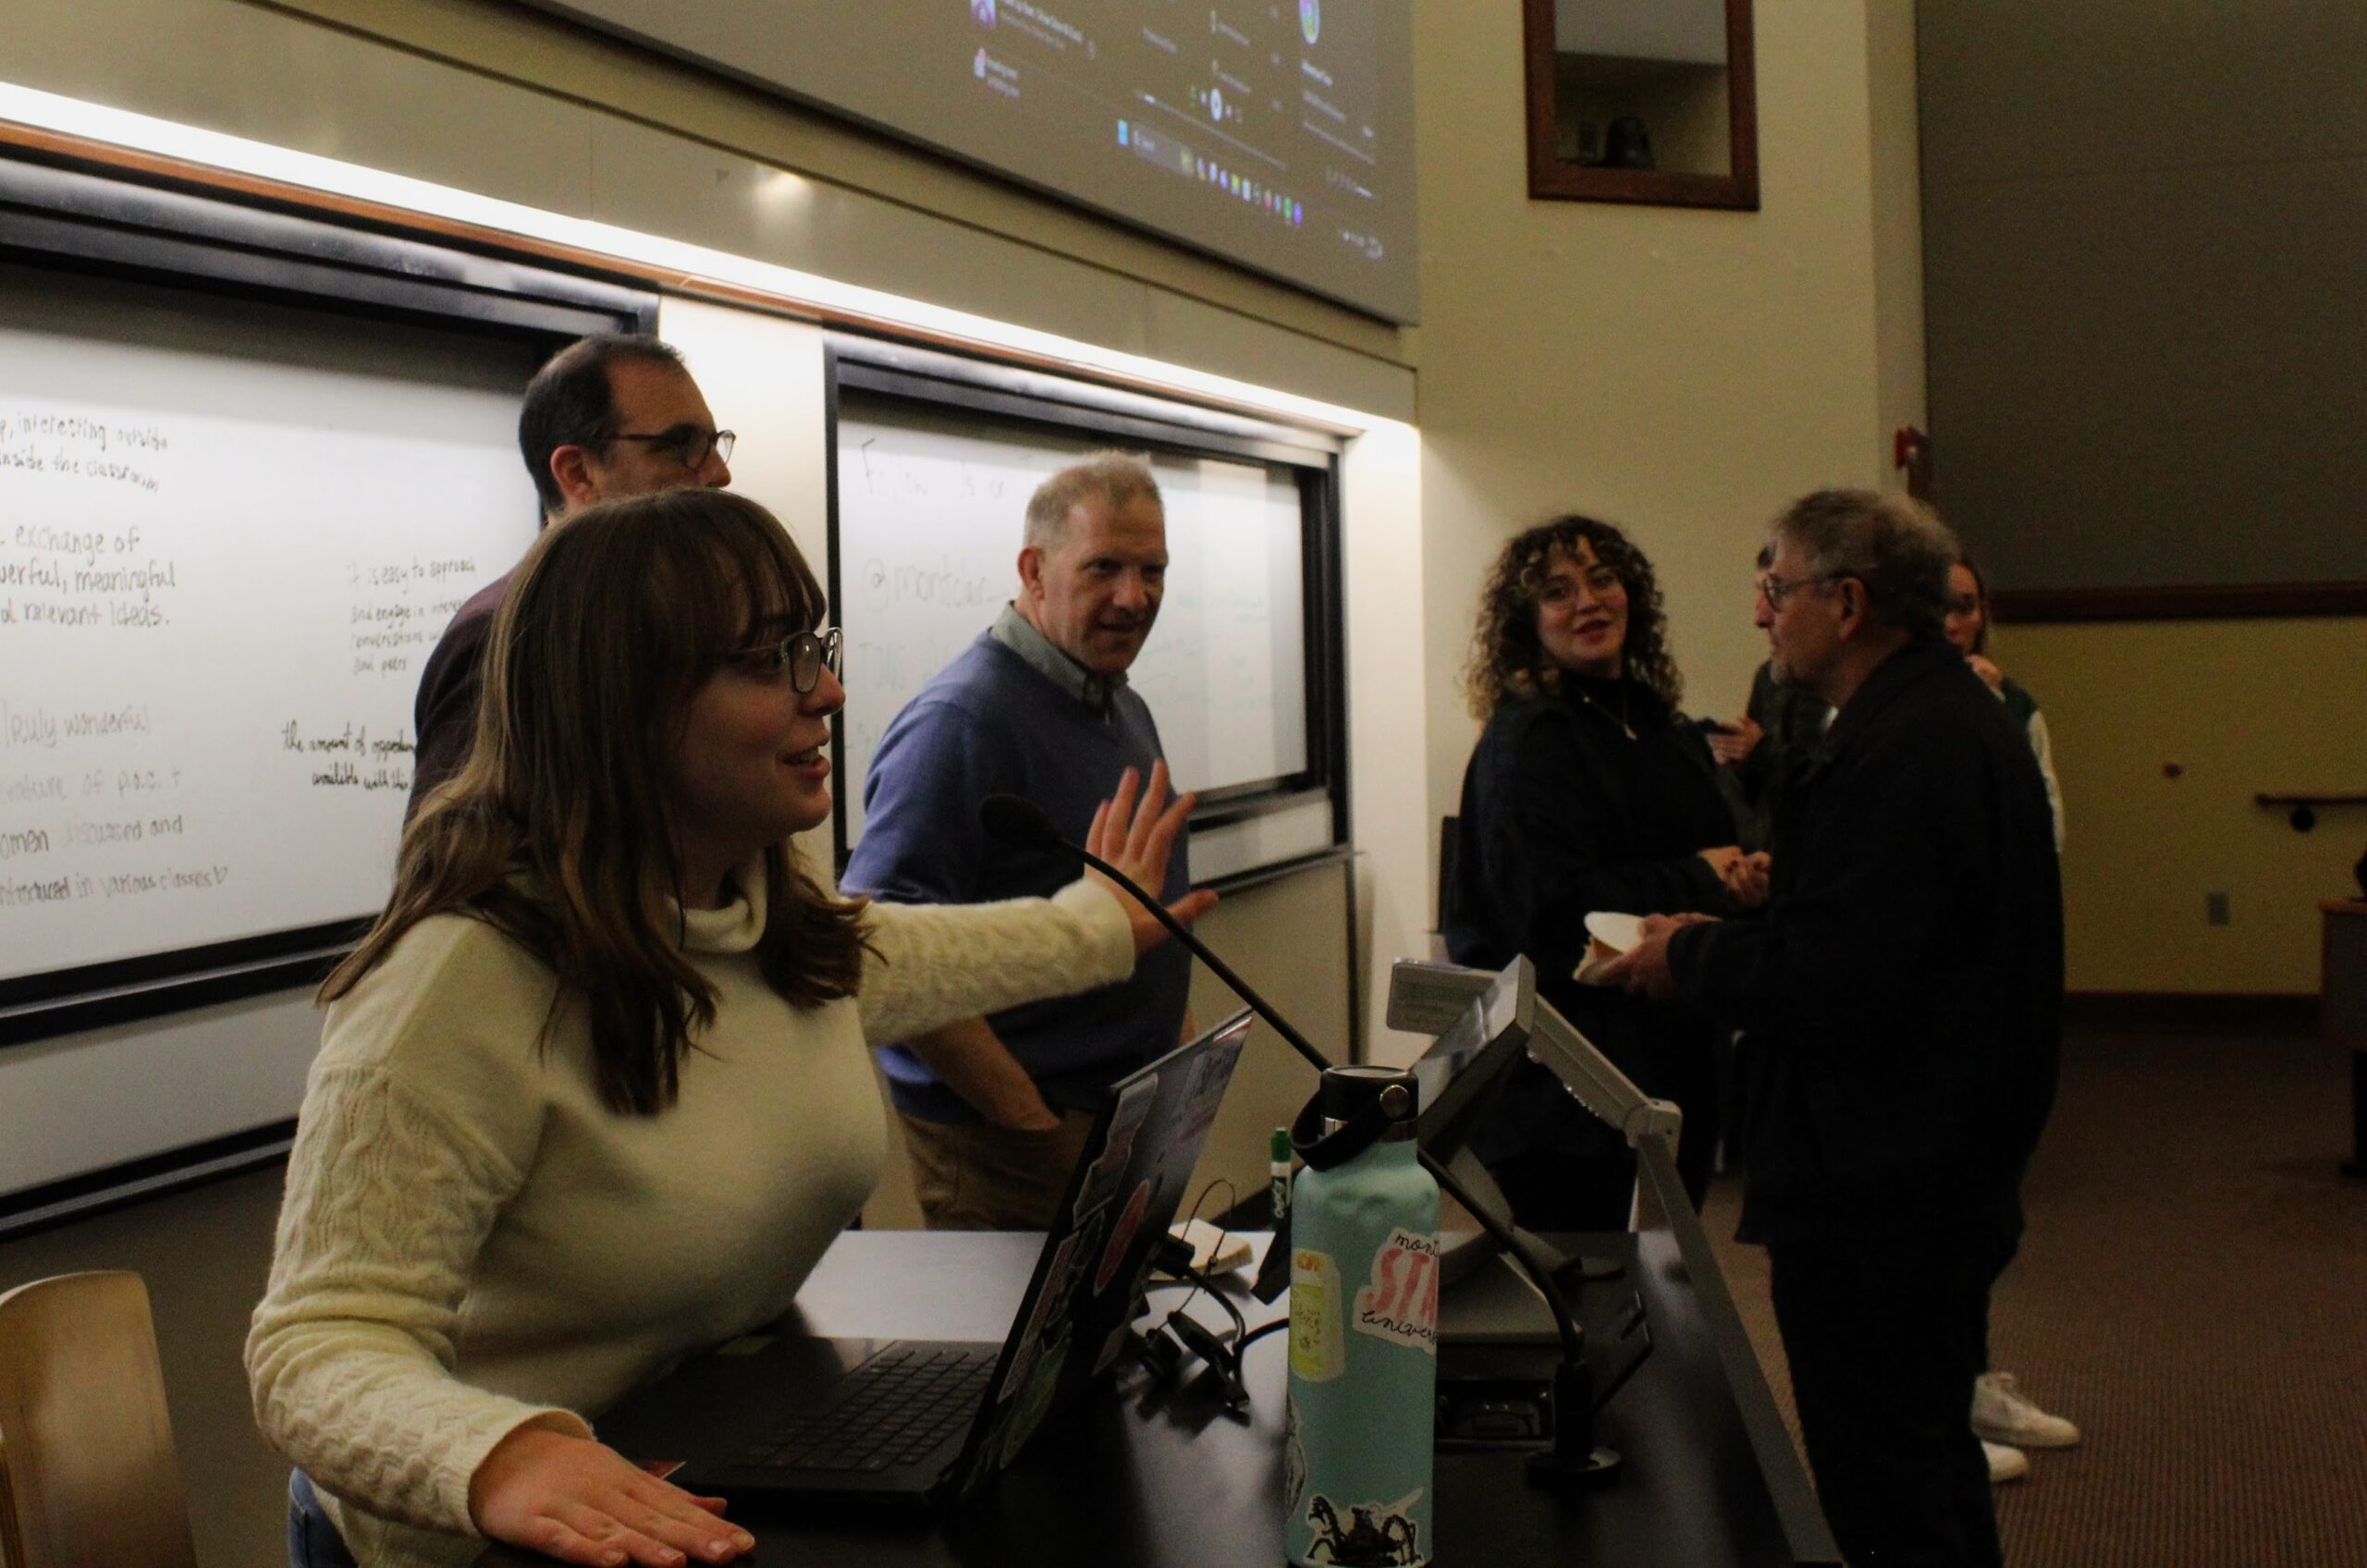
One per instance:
(444, 714)
(1564, 814)
(1902, 992)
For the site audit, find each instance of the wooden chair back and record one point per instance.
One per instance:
(88, 1471)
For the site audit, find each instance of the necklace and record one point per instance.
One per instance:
(1619, 718)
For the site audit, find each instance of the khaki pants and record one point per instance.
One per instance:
(976, 1176)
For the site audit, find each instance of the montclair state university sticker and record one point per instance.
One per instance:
(1399, 1300)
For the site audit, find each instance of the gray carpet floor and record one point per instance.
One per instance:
(2192, 1291)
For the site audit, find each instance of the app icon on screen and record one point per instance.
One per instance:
(1310, 19)
(983, 11)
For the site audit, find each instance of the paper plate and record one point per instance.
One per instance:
(1615, 931)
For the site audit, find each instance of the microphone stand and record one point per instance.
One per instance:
(1573, 1458)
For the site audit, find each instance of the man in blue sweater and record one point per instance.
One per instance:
(996, 1110)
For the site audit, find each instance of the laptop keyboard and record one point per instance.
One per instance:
(893, 1410)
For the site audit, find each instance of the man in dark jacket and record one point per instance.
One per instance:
(1900, 999)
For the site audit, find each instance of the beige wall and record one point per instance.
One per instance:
(1681, 373)
(2242, 708)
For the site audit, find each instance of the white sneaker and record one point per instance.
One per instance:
(2002, 1414)
(2005, 1463)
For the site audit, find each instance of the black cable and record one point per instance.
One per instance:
(1565, 1321)
(1263, 1330)
(1199, 1280)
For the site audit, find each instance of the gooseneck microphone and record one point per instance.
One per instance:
(1022, 823)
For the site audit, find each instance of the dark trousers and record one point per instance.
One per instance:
(1884, 1339)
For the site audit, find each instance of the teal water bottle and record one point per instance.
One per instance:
(1364, 1328)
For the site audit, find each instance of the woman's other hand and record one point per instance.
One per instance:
(1738, 741)
(1744, 875)
(1137, 838)
(583, 1501)
(1748, 882)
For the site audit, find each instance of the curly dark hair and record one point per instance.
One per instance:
(1508, 662)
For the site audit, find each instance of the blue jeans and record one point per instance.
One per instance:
(313, 1540)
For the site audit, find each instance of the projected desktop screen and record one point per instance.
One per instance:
(1275, 133)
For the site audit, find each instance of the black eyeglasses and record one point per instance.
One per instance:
(1775, 590)
(686, 444)
(801, 656)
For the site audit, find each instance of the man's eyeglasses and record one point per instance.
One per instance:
(686, 444)
(801, 656)
(1775, 590)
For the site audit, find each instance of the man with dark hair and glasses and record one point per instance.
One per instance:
(606, 417)
(1900, 1002)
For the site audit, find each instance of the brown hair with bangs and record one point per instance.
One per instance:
(556, 831)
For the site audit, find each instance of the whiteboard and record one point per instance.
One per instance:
(930, 512)
(229, 535)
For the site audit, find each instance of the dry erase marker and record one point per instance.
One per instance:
(1278, 1170)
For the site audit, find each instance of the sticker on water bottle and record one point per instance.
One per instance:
(1377, 1533)
(1318, 1354)
(1400, 1302)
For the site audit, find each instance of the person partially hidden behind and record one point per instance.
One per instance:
(1757, 748)
(1900, 1002)
(592, 1095)
(2007, 1420)
(606, 417)
(1587, 792)
(996, 1110)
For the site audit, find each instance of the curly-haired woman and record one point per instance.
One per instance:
(1588, 791)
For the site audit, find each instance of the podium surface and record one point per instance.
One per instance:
(1148, 1475)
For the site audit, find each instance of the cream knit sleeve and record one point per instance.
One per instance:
(394, 1181)
(939, 963)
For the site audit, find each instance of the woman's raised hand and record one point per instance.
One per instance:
(581, 1502)
(1137, 835)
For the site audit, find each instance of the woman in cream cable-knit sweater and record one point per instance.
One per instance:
(592, 1095)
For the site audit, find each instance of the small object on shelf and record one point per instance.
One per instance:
(1627, 145)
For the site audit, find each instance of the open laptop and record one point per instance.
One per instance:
(916, 1422)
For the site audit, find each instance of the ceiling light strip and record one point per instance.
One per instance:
(673, 262)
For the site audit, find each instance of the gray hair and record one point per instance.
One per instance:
(1897, 547)
(1117, 480)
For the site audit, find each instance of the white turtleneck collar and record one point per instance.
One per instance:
(733, 927)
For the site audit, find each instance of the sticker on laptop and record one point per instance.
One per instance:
(1122, 1237)
(1048, 1300)
(1199, 1110)
(1102, 1178)
(1036, 1399)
